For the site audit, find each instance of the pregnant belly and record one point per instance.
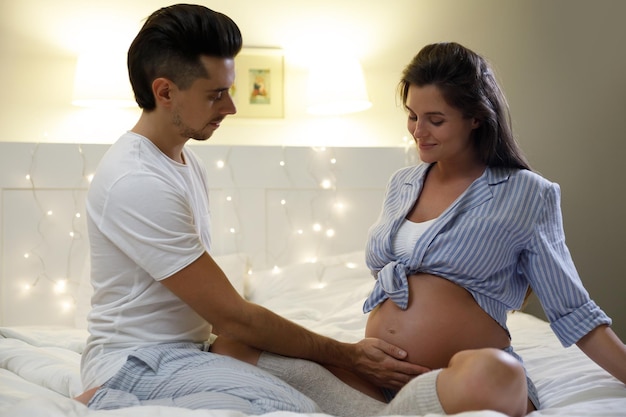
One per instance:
(440, 320)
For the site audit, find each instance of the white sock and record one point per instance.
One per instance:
(418, 397)
(333, 396)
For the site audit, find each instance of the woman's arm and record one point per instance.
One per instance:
(606, 349)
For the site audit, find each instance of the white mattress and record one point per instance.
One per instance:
(39, 366)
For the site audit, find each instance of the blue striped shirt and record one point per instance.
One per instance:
(503, 233)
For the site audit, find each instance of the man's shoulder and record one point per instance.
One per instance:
(128, 173)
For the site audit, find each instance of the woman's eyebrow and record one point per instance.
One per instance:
(430, 113)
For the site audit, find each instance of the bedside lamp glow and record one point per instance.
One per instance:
(336, 86)
(101, 80)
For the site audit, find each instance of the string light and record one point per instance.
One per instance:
(67, 306)
(325, 206)
(39, 255)
(61, 286)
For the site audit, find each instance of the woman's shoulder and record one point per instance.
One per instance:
(523, 184)
(518, 175)
(410, 174)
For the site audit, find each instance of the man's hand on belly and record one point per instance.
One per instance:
(385, 365)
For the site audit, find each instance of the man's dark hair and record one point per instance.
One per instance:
(170, 45)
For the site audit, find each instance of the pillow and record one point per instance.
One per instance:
(234, 267)
(325, 296)
(264, 285)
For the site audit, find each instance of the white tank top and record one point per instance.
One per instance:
(404, 241)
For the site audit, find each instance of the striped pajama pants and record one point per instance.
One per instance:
(183, 375)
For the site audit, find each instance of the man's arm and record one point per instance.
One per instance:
(205, 288)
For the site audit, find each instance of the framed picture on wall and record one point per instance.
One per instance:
(258, 90)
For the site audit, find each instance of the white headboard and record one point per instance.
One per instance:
(276, 205)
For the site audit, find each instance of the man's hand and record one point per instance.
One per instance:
(384, 364)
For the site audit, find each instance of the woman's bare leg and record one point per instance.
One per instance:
(86, 396)
(229, 347)
(483, 379)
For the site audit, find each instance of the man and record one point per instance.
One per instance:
(157, 291)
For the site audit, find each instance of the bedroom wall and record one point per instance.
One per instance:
(561, 63)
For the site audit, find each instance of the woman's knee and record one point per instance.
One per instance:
(483, 379)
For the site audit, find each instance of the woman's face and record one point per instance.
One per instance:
(440, 131)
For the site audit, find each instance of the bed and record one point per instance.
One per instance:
(40, 364)
(289, 235)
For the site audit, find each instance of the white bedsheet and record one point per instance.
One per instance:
(39, 366)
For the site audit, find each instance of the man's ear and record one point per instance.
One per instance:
(162, 90)
(475, 123)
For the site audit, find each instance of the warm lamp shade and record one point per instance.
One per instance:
(101, 80)
(336, 86)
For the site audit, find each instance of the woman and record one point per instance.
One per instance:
(462, 236)
(459, 134)
(459, 241)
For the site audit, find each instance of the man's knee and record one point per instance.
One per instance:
(483, 379)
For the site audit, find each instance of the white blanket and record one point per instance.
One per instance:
(39, 366)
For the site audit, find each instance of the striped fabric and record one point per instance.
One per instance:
(182, 375)
(502, 234)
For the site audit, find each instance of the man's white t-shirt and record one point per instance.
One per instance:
(148, 218)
